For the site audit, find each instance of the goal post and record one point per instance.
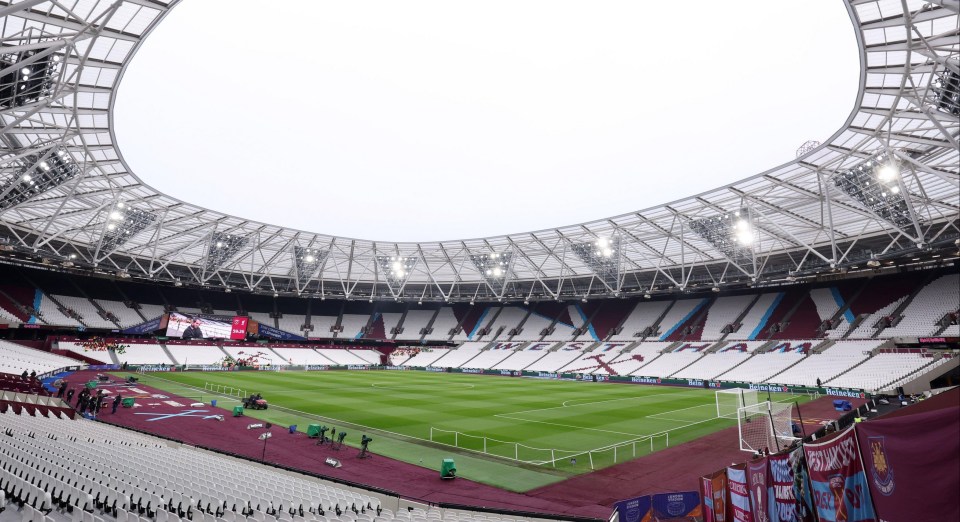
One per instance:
(767, 425)
(730, 401)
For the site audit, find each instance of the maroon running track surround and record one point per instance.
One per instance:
(590, 495)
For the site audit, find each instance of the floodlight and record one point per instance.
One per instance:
(875, 184)
(602, 256)
(946, 91)
(223, 246)
(887, 172)
(28, 84)
(307, 261)
(395, 270)
(495, 267)
(37, 174)
(731, 234)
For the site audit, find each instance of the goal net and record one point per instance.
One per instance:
(767, 425)
(729, 401)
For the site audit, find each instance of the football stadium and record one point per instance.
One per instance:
(784, 347)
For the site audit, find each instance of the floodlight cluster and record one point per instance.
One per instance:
(38, 174)
(123, 223)
(731, 233)
(222, 247)
(396, 269)
(495, 268)
(603, 258)
(946, 91)
(27, 83)
(875, 184)
(308, 261)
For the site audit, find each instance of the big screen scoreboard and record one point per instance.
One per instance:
(212, 327)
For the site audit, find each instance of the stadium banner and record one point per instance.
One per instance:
(154, 368)
(801, 486)
(145, 328)
(102, 367)
(275, 333)
(759, 486)
(634, 510)
(839, 485)
(238, 329)
(679, 504)
(644, 379)
(905, 465)
(709, 502)
(783, 505)
(738, 508)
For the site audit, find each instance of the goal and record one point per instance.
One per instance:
(767, 425)
(729, 401)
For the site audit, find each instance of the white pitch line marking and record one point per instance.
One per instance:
(564, 403)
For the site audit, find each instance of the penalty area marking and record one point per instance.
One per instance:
(389, 386)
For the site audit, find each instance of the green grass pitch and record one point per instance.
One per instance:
(532, 427)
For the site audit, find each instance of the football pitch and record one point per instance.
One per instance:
(513, 433)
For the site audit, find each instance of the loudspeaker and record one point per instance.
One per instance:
(900, 390)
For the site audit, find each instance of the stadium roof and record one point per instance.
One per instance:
(67, 196)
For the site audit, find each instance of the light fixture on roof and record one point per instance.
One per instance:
(946, 90)
(30, 83)
(602, 256)
(123, 223)
(732, 234)
(495, 268)
(875, 184)
(887, 172)
(307, 261)
(744, 232)
(223, 247)
(395, 270)
(37, 173)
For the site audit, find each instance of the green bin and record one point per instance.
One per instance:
(128, 402)
(313, 431)
(238, 411)
(91, 384)
(448, 470)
